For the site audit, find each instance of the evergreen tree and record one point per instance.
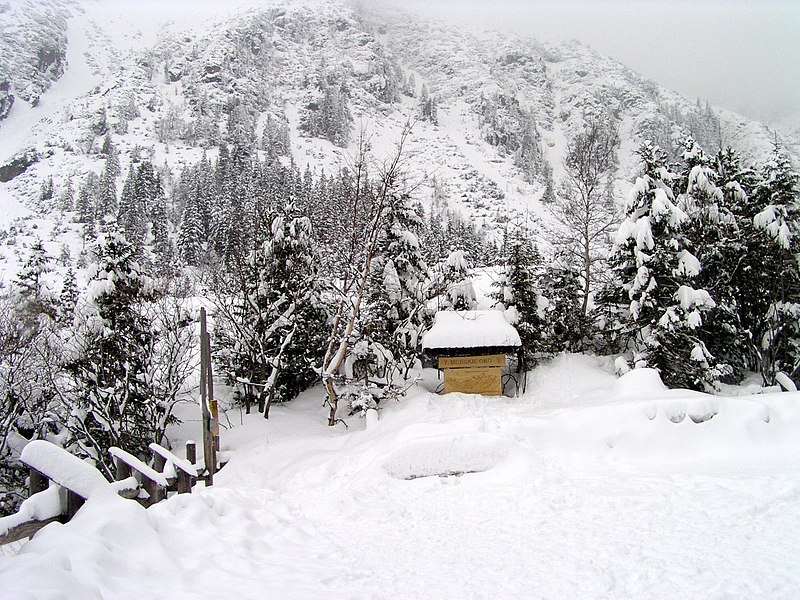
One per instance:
(457, 283)
(34, 295)
(711, 234)
(68, 298)
(564, 322)
(190, 235)
(776, 240)
(46, 192)
(86, 205)
(110, 400)
(427, 106)
(655, 271)
(394, 298)
(107, 199)
(327, 115)
(68, 195)
(519, 293)
(270, 317)
(132, 214)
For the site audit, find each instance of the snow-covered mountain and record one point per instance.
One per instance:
(168, 83)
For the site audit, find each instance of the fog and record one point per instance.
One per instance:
(744, 56)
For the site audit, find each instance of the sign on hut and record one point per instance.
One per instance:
(471, 348)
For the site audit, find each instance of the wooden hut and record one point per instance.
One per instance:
(471, 348)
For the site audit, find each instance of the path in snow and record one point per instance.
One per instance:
(592, 488)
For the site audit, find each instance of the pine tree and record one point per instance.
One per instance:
(269, 316)
(456, 277)
(519, 293)
(394, 299)
(107, 199)
(110, 344)
(67, 201)
(68, 298)
(711, 234)
(46, 192)
(34, 295)
(656, 271)
(131, 214)
(564, 322)
(776, 322)
(427, 106)
(190, 234)
(86, 205)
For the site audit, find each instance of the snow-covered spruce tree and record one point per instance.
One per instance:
(710, 232)
(132, 212)
(270, 316)
(393, 305)
(108, 400)
(67, 198)
(35, 300)
(28, 364)
(564, 322)
(655, 272)
(456, 274)
(86, 204)
(68, 298)
(107, 198)
(427, 106)
(775, 318)
(518, 292)
(583, 207)
(327, 114)
(190, 234)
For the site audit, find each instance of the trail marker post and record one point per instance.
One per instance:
(209, 405)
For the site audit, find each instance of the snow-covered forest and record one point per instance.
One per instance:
(322, 180)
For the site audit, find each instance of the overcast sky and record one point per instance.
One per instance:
(741, 55)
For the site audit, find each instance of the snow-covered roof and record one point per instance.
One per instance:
(470, 329)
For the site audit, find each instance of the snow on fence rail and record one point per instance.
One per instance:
(60, 482)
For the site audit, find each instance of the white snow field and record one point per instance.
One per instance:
(588, 486)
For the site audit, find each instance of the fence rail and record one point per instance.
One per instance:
(59, 483)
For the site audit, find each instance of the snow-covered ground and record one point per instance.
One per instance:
(588, 486)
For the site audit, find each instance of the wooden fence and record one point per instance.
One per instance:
(60, 483)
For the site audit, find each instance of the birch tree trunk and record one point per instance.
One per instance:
(352, 291)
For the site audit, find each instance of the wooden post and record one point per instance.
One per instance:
(123, 469)
(184, 482)
(159, 462)
(212, 402)
(36, 482)
(208, 435)
(154, 490)
(191, 452)
(74, 502)
(191, 456)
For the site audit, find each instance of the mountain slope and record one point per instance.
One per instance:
(173, 85)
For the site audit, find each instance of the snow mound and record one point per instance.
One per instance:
(639, 383)
(446, 456)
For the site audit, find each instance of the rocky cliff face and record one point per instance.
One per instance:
(494, 113)
(33, 45)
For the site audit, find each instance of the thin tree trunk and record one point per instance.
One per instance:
(334, 361)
